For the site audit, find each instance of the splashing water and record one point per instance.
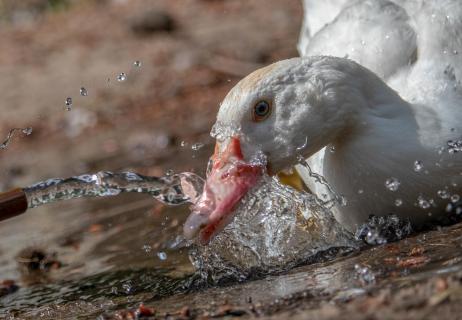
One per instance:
(337, 198)
(24, 131)
(121, 77)
(68, 103)
(418, 166)
(221, 131)
(392, 184)
(384, 229)
(168, 189)
(83, 92)
(275, 228)
(364, 274)
(454, 146)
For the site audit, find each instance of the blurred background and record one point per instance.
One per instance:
(145, 79)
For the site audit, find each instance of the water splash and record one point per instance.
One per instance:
(384, 229)
(454, 146)
(83, 92)
(168, 189)
(25, 131)
(222, 131)
(275, 228)
(68, 103)
(392, 184)
(418, 166)
(364, 274)
(197, 146)
(121, 77)
(337, 198)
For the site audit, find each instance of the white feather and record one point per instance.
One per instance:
(416, 47)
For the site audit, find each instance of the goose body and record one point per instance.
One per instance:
(373, 105)
(414, 47)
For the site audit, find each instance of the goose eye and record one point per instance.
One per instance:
(261, 110)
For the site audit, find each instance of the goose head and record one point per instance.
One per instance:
(289, 109)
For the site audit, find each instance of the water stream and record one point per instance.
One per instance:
(167, 189)
(25, 131)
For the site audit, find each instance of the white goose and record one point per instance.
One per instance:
(387, 116)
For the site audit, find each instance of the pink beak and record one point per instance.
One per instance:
(228, 181)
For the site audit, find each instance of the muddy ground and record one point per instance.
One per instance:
(191, 52)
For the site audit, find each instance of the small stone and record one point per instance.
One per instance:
(152, 21)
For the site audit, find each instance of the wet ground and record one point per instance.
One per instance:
(85, 258)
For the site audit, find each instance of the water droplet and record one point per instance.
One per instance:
(83, 92)
(127, 287)
(27, 131)
(162, 255)
(137, 63)
(366, 276)
(418, 166)
(121, 77)
(423, 203)
(197, 146)
(454, 146)
(343, 201)
(398, 202)
(183, 143)
(6, 142)
(455, 198)
(332, 149)
(147, 248)
(68, 103)
(303, 145)
(221, 131)
(392, 184)
(360, 191)
(443, 194)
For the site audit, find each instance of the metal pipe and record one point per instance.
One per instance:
(12, 203)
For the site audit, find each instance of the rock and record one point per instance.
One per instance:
(7, 287)
(152, 21)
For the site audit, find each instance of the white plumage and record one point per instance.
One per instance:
(376, 91)
(415, 47)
